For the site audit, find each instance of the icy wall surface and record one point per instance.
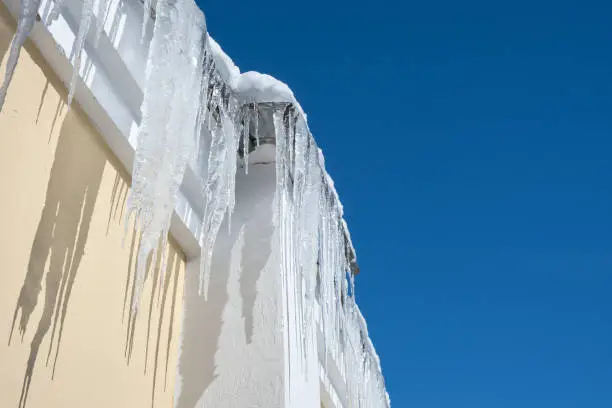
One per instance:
(197, 102)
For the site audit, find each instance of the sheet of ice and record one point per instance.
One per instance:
(167, 133)
(27, 18)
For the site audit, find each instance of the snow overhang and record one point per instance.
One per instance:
(265, 94)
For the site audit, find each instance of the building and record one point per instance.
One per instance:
(89, 316)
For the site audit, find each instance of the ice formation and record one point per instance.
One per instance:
(219, 186)
(196, 100)
(298, 181)
(103, 6)
(55, 12)
(27, 18)
(87, 15)
(314, 242)
(167, 133)
(315, 246)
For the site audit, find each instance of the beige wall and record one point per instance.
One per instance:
(67, 336)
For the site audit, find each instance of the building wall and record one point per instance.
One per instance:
(232, 350)
(68, 337)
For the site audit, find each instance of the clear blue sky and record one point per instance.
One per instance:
(471, 144)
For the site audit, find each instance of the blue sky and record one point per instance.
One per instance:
(471, 144)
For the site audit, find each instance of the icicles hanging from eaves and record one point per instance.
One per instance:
(92, 12)
(167, 134)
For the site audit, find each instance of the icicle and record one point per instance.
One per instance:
(27, 17)
(231, 160)
(167, 132)
(164, 264)
(203, 107)
(103, 6)
(324, 258)
(55, 11)
(300, 160)
(245, 138)
(284, 219)
(305, 188)
(79, 44)
(219, 187)
(256, 117)
(147, 9)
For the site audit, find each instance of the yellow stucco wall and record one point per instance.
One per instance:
(67, 334)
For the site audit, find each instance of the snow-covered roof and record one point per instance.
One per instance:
(255, 87)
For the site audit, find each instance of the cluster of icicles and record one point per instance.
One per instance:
(318, 263)
(188, 108)
(25, 24)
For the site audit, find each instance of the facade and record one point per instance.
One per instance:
(73, 257)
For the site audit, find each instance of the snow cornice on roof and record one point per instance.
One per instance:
(262, 89)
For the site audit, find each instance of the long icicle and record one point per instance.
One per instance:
(147, 10)
(283, 223)
(55, 11)
(87, 14)
(219, 187)
(27, 18)
(167, 132)
(103, 6)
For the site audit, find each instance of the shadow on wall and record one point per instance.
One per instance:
(7, 28)
(203, 320)
(160, 291)
(255, 253)
(159, 298)
(61, 236)
(202, 324)
(59, 242)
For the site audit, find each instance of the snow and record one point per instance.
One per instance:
(255, 87)
(224, 64)
(251, 86)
